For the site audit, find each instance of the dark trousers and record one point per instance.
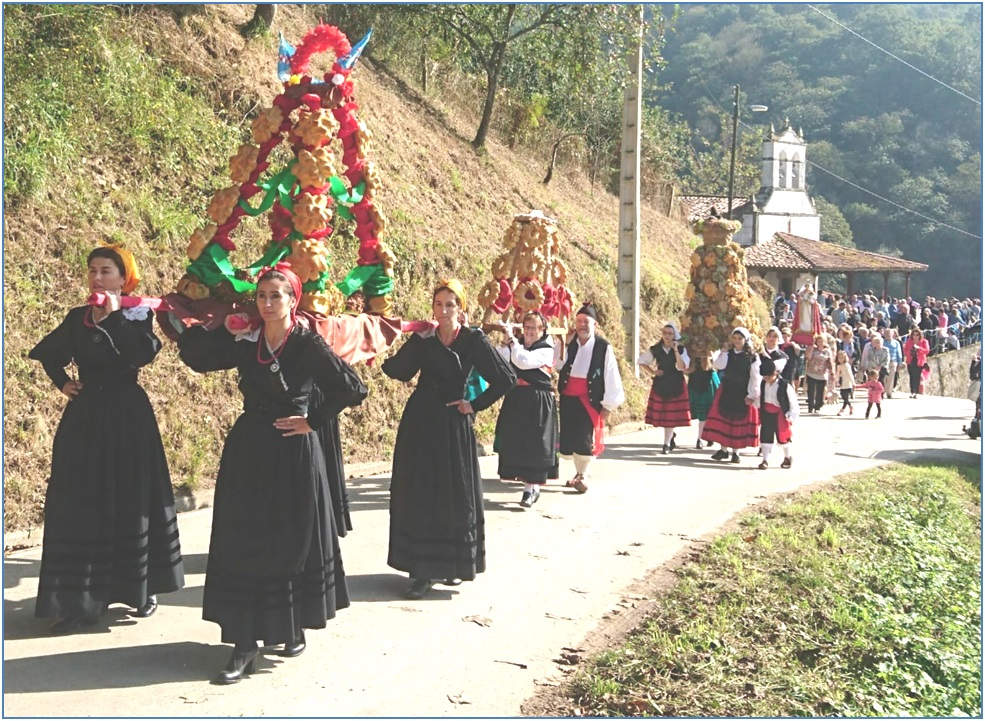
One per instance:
(878, 410)
(846, 397)
(914, 371)
(815, 394)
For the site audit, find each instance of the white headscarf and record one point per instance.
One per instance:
(744, 332)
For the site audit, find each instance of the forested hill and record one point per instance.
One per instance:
(867, 117)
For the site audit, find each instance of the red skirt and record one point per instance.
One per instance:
(729, 432)
(668, 412)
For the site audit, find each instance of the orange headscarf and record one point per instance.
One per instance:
(131, 276)
(456, 287)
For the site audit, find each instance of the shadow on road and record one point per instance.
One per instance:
(964, 458)
(137, 666)
(389, 587)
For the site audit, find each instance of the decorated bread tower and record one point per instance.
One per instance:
(330, 176)
(529, 275)
(718, 295)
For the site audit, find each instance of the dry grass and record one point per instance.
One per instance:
(447, 208)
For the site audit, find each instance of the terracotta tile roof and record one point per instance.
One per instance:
(791, 252)
(697, 207)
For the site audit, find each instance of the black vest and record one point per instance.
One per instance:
(782, 399)
(535, 377)
(596, 371)
(671, 383)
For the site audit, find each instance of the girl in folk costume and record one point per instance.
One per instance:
(110, 530)
(274, 566)
(772, 350)
(526, 430)
(733, 420)
(437, 526)
(791, 370)
(844, 381)
(777, 403)
(668, 406)
(702, 385)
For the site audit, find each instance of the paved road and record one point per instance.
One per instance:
(554, 571)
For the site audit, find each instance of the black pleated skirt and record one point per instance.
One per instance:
(274, 565)
(437, 526)
(110, 529)
(527, 435)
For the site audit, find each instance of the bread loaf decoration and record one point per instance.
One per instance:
(528, 275)
(330, 177)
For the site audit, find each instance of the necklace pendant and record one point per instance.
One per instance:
(274, 367)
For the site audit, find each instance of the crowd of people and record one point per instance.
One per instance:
(275, 564)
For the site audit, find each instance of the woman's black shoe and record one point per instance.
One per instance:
(720, 455)
(458, 581)
(666, 449)
(735, 457)
(698, 444)
(291, 650)
(673, 442)
(418, 588)
(241, 663)
(147, 609)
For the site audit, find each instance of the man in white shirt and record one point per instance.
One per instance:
(590, 388)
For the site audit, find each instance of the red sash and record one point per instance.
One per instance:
(783, 433)
(578, 387)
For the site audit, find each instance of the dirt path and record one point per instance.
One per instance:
(563, 575)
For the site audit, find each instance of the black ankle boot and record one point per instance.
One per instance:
(147, 609)
(241, 663)
(291, 650)
(419, 588)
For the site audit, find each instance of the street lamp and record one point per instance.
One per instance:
(735, 127)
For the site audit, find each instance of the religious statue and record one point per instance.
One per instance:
(807, 322)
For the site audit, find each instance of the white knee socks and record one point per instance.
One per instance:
(582, 463)
(767, 447)
(668, 436)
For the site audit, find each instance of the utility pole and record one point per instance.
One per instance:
(731, 165)
(629, 201)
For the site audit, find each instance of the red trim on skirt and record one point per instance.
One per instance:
(578, 387)
(732, 433)
(668, 412)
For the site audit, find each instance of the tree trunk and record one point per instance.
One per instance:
(557, 146)
(492, 84)
(424, 70)
(262, 21)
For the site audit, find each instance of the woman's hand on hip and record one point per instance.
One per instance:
(464, 407)
(71, 389)
(293, 425)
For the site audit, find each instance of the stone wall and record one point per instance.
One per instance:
(949, 373)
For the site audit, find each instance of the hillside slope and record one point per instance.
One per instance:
(149, 108)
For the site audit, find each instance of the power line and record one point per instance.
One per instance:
(897, 205)
(895, 57)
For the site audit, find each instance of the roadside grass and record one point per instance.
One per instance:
(861, 599)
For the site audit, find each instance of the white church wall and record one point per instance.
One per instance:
(805, 226)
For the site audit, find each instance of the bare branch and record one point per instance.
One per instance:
(546, 18)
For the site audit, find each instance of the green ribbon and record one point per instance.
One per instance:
(273, 255)
(282, 186)
(316, 286)
(343, 197)
(371, 279)
(213, 266)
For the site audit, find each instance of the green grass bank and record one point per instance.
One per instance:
(861, 599)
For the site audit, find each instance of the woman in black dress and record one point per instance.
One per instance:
(668, 406)
(274, 564)
(437, 527)
(526, 430)
(733, 420)
(110, 530)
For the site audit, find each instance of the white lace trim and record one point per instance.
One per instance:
(250, 335)
(138, 312)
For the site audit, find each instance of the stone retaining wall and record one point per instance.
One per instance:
(949, 373)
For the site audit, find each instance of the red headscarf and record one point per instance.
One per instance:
(292, 278)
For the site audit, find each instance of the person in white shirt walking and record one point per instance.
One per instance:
(590, 389)
(777, 403)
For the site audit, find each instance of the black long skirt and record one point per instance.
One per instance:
(437, 525)
(527, 435)
(331, 445)
(274, 565)
(110, 529)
